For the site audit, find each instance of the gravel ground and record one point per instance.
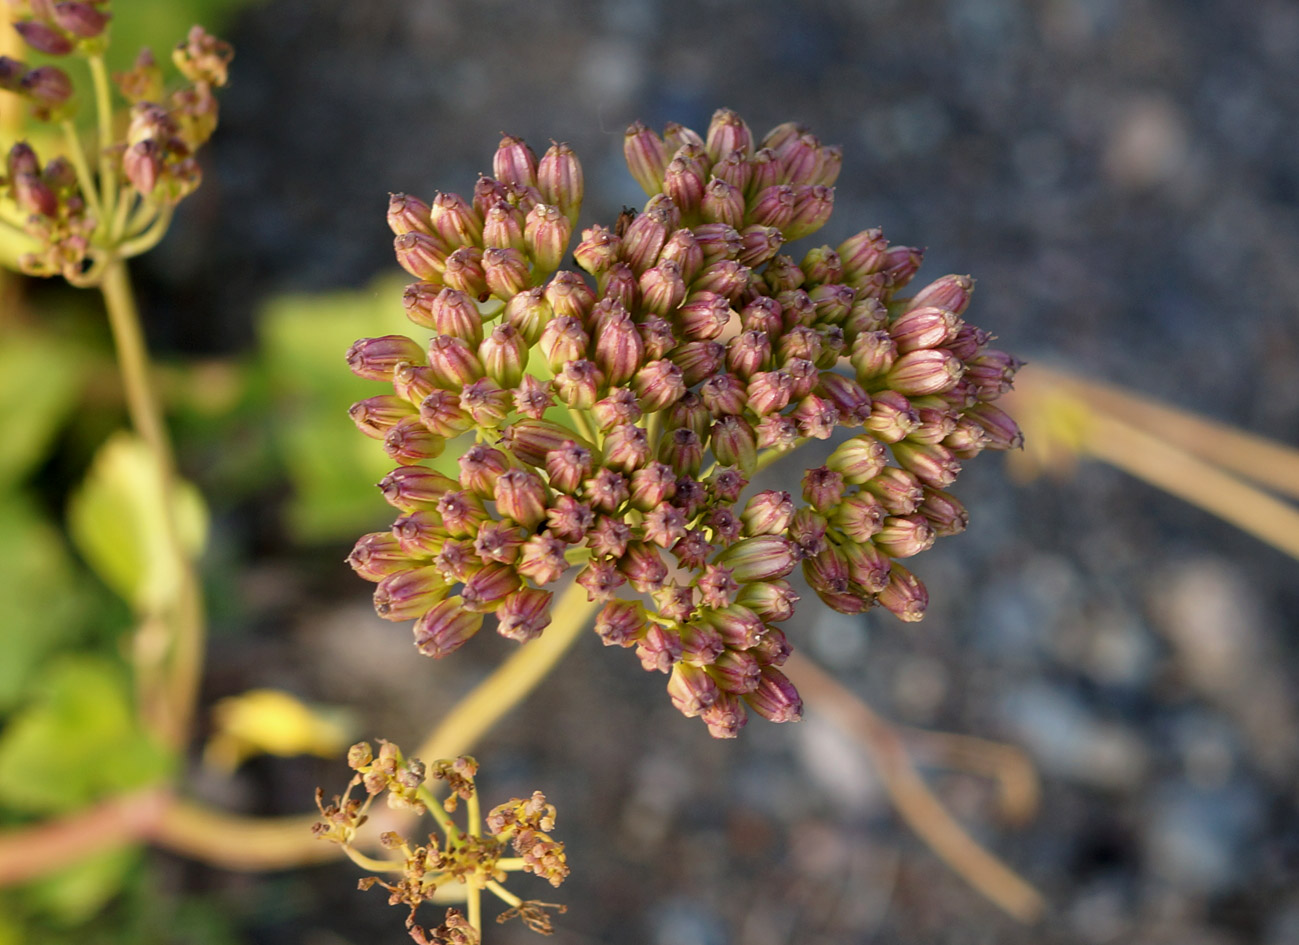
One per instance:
(1123, 180)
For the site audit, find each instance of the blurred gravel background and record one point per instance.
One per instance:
(1122, 176)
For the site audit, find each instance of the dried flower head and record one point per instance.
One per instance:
(621, 411)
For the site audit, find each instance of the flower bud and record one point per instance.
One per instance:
(541, 559)
(859, 516)
(777, 433)
(662, 288)
(892, 417)
(423, 255)
(927, 371)
(578, 384)
(761, 558)
(832, 303)
(858, 460)
(34, 196)
(683, 249)
(500, 542)
(771, 601)
(601, 580)
(726, 277)
(609, 538)
(504, 355)
(485, 402)
(783, 275)
(462, 513)
(647, 157)
(748, 353)
(683, 451)
(775, 697)
(568, 466)
(829, 164)
(456, 221)
(626, 447)
(933, 464)
(691, 689)
(560, 180)
(570, 296)
(724, 394)
(734, 443)
(47, 86)
(407, 214)
(658, 649)
(503, 227)
(606, 490)
(727, 484)
(569, 519)
(529, 441)
(812, 208)
(453, 363)
(736, 671)
(796, 306)
(488, 192)
(456, 558)
(454, 313)
(375, 416)
(480, 467)
(769, 392)
(420, 534)
(698, 360)
(761, 244)
(683, 181)
(723, 203)
(619, 350)
(546, 233)
(521, 495)
(464, 271)
(505, 272)
(1003, 432)
(734, 169)
(970, 340)
(415, 487)
(405, 595)
(377, 555)
(652, 485)
(993, 373)
(718, 241)
(689, 412)
(700, 644)
(524, 614)
(44, 38)
(725, 717)
(822, 488)
(905, 535)
(514, 163)
(488, 587)
(440, 411)
(925, 327)
(563, 340)
(620, 623)
(727, 132)
(408, 442)
(774, 206)
(529, 313)
(945, 513)
(798, 153)
(848, 397)
(598, 250)
(619, 284)
(446, 627)
(724, 527)
(905, 595)
(897, 490)
(862, 254)
(645, 237)
(644, 567)
(950, 292)
(766, 172)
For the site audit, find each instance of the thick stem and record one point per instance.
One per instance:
(169, 689)
(478, 711)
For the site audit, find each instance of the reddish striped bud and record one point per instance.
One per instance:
(619, 284)
(812, 208)
(531, 440)
(927, 371)
(44, 38)
(775, 697)
(969, 341)
(749, 352)
(446, 627)
(993, 373)
(661, 287)
(375, 416)
(898, 491)
(774, 206)
(503, 227)
(570, 296)
(858, 516)
(862, 254)
(717, 586)
(377, 555)
(766, 172)
(683, 451)
(736, 671)
(658, 336)
(652, 485)
(693, 551)
(768, 513)
(832, 303)
(414, 382)
(563, 340)
(407, 214)
(485, 402)
(796, 307)
(529, 313)
(506, 272)
(440, 411)
(704, 316)
(620, 623)
(858, 460)
(925, 327)
(783, 275)
(489, 586)
(892, 417)
(456, 558)
(900, 264)
(722, 202)
(777, 432)
(504, 355)
(905, 596)
(761, 243)
(645, 237)
(683, 181)
(619, 349)
(822, 488)
(698, 360)
(521, 495)
(500, 542)
(560, 180)
(798, 155)
(601, 580)
(405, 595)
(851, 400)
(515, 162)
(904, 536)
(578, 384)
(683, 249)
(771, 600)
(541, 559)
(453, 362)
(821, 264)
(598, 250)
(762, 558)
(568, 466)
(647, 157)
(718, 241)
(727, 132)
(643, 566)
(609, 538)
(408, 442)
(455, 221)
(422, 255)
(691, 689)
(689, 412)
(546, 232)
(415, 487)
(724, 394)
(725, 717)
(945, 513)
(464, 271)
(735, 170)
(726, 277)
(569, 519)
(524, 615)
(769, 392)
(480, 467)
(607, 490)
(658, 649)
(462, 513)
(951, 292)
(734, 443)
(1003, 432)
(626, 447)
(933, 464)
(618, 406)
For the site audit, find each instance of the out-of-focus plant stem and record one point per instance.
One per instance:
(169, 645)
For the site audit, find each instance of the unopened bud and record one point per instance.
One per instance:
(375, 416)
(647, 157)
(485, 402)
(489, 587)
(683, 450)
(626, 447)
(569, 295)
(691, 689)
(377, 555)
(933, 464)
(446, 627)
(1003, 432)
(44, 38)
(503, 227)
(415, 487)
(645, 237)
(541, 559)
(376, 358)
(905, 595)
(718, 241)
(768, 513)
(464, 271)
(662, 288)
(762, 558)
(698, 359)
(620, 623)
(950, 292)
(892, 416)
(858, 460)
(767, 172)
(683, 249)
(455, 220)
(423, 255)
(524, 614)
(504, 355)
(405, 595)
(506, 272)
(858, 516)
(812, 208)
(454, 364)
(761, 243)
(724, 394)
(514, 163)
(775, 697)
(521, 495)
(560, 180)
(440, 411)
(546, 232)
(579, 383)
(407, 214)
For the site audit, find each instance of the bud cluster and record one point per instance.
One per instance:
(618, 413)
(464, 856)
(155, 156)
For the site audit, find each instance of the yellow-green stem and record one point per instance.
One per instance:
(475, 903)
(510, 682)
(84, 177)
(104, 116)
(371, 864)
(168, 704)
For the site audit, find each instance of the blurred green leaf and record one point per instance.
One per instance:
(77, 742)
(76, 893)
(41, 602)
(331, 466)
(160, 26)
(117, 523)
(40, 380)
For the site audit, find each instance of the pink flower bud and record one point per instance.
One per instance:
(698, 360)
(724, 394)
(563, 340)
(900, 264)
(607, 490)
(1003, 432)
(905, 595)
(524, 614)
(647, 157)
(578, 384)
(44, 38)
(446, 627)
(925, 327)
(769, 392)
(375, 416)
(644, 567)
(718, 241)
(462, 513)
(946, 515)
(932, 464)
(873, 355)
(570, 296)
(689, 412)
(796, 306)
(560, 180)
(761, 558)
(898, 491)
(803, 378)
(405, 595)
(662, 288)
(761, 244)
(828, 165)
(503, 227)
(546, 233)
(500, 542)
(734, 169)
(569, 519)
(652, 485)
(452, 362)
(683, 249)
(858, 460)
(858, 516)
(505, 272)
(736, 671)
(783, 275)
(892, 417)
(504, 355)
(440, 411)
(456, 221)
(771, 601)
(749, 352)
(727, 132)
(598, 250)
(774, 206)
(832, 303)
(415, 487)
(377, 555)
(905, 535)
(568, 466)
(658, 336)
(421, 534)
(683, 181)
(766, 172)
(424, 256)
(464, 271)
(514, 163)
(798, 153)
(626, 447)
(407, 214)
(489, 586)
(723, 203)
(682, 450)
(480, 467)
(927, 371)
(620, 623)
(777, 433)
(521, 495)
(645, 237)
(619, 349)
(619, 284)
(529, 313)
(456, 558)
(488, 192)
(541, 559)
(725, 717)
(529, 441)
(485, 402)
(851, 400)
(658, 649)
(691, 689)
(452, 312)
(734, 443)
(812, 208)
(601, 580)
(950, 292)
(867, 314)
(993, 373)
(408, 442)
(822, 488)
(775, 697)
(862, 254)
(726, 277)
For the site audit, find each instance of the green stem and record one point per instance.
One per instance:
(475, 902)
(172, 684)
(149, 238)
(371, 864)
(84, 177)
(501, 892)
(104, 117)
(510, 682)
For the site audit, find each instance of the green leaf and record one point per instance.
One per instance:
(331, 466)
(77, 742)
(42, 603)
(117, 523)
(78, 891)
(40, 380)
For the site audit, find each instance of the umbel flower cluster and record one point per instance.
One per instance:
(68, 221)
(618, 412)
